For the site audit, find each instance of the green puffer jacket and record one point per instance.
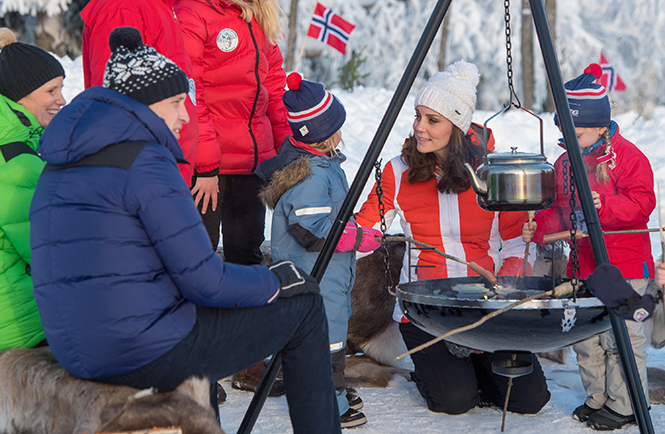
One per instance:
(20, 167)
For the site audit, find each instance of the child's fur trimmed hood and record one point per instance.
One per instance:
(282, 180)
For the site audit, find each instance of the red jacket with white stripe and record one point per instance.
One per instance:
(627, 201)
(453, 223)
(156, 22)
(239, 86)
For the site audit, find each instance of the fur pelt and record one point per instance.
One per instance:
(372, 330)
(39, 396)
(363, 371)
(282, 180)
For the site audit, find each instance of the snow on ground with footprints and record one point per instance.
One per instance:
(399, 408)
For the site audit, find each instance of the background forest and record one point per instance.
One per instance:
(631, 34)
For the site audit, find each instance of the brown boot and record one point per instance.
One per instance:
(250, 378)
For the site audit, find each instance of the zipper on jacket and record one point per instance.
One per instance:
(256, 98)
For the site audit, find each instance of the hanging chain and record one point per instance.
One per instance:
(509, 56)
(388, 278)
(574, 252)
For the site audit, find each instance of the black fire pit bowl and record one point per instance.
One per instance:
(441, 305)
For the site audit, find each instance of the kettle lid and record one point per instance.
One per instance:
(515, 157)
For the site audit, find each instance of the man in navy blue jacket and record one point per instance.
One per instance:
(126, 289)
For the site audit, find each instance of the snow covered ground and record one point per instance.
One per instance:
(400, 408)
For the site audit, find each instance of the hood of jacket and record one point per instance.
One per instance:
(99, 117)
(290, 166)
(17, 124)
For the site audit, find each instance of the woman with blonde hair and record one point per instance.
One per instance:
(31, 82)
(242, 120)
(621, 181)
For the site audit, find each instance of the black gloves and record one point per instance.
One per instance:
(607, 283)
(294, 281)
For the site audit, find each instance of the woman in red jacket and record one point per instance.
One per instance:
(155, 20)
(621, 181)
(242, 120)
(428, 187)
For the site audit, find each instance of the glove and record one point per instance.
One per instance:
(358, 239)
(607, 283)
(514, 266)
(293, 281)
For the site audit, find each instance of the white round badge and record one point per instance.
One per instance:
(227, 40)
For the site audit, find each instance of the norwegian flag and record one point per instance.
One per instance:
(610, 79)
(330, 28)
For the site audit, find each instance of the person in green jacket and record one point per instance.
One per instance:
(30, 96)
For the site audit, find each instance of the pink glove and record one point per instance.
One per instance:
(369, 242)
(358, 239)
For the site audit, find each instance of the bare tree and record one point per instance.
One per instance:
(444, 39)
(550, 10)
(291, 41)
(527, 57)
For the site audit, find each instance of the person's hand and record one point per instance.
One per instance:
(371, 240)
(607, 283)
(660, 273)
(596, 199)
(206, 188)
(528, 230)
(293, 281)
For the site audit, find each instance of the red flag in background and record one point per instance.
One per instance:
(330, 28)
(610, 79)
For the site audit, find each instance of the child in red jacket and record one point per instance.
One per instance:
(621, 181)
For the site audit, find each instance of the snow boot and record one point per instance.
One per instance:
(250, 378)
(606, 419)
(352, 418)
(583, 412)
(355, 402)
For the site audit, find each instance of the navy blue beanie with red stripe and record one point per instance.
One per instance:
(588, 101)
(314, 114)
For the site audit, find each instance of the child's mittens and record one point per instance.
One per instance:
(371, 240)
(357, 238)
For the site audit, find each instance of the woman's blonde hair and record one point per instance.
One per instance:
(601, 169)
(267, 14)
(330, 144)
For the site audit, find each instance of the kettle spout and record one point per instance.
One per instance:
(478, 185)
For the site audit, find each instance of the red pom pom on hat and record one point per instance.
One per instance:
(594, 69)
(293, 81)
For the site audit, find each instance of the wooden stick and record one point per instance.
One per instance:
(532, 214)
(550, 238)
(475, 267)
(505, 403)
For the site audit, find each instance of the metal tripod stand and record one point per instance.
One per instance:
(590, 215)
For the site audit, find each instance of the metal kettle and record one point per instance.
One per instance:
(514, 181)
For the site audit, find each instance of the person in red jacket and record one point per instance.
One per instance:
(159, 28)
(429, 188)
(242, 120)
(621, 181)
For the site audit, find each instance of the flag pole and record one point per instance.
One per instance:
(304, 41)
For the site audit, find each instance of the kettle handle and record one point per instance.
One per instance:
(506, 108)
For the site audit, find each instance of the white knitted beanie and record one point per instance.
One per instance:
(452, 93)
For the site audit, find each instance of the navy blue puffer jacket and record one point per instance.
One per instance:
(120, 258)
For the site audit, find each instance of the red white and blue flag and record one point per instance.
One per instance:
(610, 79)
(330, 28)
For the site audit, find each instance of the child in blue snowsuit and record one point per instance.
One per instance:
(306, 189)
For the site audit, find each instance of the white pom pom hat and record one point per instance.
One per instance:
(452, 93)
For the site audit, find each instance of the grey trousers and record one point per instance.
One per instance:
(600, 365)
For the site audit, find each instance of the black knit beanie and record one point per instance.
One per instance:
(24, 67)
(139, 71)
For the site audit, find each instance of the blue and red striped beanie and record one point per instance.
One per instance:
(588, 101)
(314, 114)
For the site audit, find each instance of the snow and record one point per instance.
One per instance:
(400, 408)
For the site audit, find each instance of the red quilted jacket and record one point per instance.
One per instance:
(156, 22)
(627, 202)
(239, 85)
